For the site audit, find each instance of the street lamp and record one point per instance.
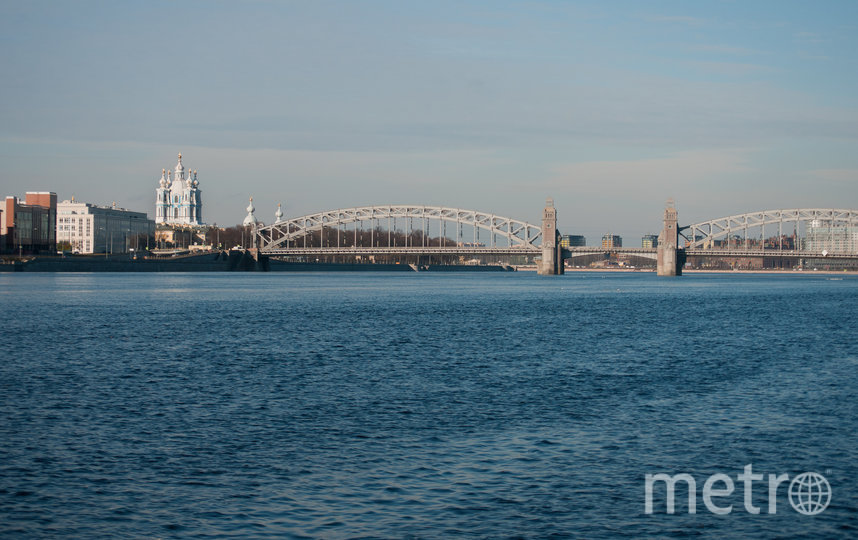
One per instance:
(34, 238)
(105, 238)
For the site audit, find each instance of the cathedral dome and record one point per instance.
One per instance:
(250, 219)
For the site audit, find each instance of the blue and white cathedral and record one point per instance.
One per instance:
(178, 199)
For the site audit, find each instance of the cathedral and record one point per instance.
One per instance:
(178, 199)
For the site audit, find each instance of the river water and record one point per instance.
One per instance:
(386, 405)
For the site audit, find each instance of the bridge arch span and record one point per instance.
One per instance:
(517, 234)
(701, 235)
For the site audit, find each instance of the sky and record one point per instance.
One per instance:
(610, 108)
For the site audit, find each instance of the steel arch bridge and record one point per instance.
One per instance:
(518, 236)
(700, 235)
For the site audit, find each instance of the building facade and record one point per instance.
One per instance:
(30, 227)
(612, 241)
(824, 236)
(649, 241)
(178, 199)
(572, 240)
(88, 228)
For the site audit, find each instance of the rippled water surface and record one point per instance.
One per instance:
(422, 405)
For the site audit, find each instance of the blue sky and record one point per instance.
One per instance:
(609, 107)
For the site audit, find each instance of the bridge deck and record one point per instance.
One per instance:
(768, 253)
(416, 250)
(698, 252)
(568, 253)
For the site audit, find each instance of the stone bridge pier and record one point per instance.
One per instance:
(671, 258)
(552, 252)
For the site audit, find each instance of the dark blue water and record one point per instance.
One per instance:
(386, 405)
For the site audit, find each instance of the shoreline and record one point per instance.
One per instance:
(241, 261)
(774, 271)
(708, 271)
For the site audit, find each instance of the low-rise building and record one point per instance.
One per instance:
(174, 236)
(29, 227)
(89, 228)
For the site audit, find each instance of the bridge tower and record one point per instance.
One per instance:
(671, 258)
(552, 258)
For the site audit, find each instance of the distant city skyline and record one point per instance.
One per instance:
(610, 109)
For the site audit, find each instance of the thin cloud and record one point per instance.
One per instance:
(804, 55)
(645, 175)
(676, 19)
(835, 175)
(809, 37)
(726, 49)
(732, 69)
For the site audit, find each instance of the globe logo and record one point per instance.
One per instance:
(809, 493)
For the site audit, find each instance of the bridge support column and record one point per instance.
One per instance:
(671, 258)
(552, 253)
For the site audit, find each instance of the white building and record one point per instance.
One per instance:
(178, 199)
(826, 236)
(89, 228)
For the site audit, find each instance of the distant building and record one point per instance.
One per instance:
(179, 237)
(649, 241)
(824, 236)
(29, 227)
(89, 228)
(612, 241)
(178, 199)
(572, 240)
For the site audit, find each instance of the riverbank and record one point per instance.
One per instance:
(772, 271)
(242, 261)
(219, 261)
